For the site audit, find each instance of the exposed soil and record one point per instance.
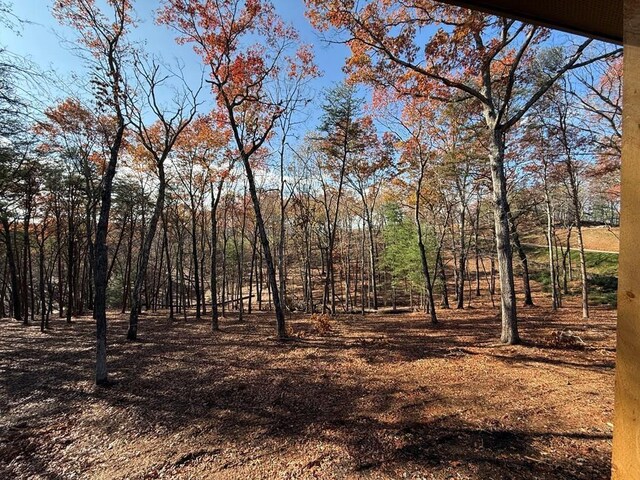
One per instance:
(384, 396)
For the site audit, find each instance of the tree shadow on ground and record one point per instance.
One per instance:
(240, 387)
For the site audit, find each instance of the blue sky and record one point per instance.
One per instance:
(42, 40)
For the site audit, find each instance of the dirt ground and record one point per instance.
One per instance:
(384, 396)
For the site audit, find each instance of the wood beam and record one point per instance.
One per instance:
(626, 431)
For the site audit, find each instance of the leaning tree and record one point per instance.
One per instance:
(248, 50)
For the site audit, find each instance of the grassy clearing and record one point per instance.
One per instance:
(602, 270)
(595, 238)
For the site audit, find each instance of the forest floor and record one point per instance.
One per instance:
(384, 396)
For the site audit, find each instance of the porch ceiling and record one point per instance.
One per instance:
(592, 18)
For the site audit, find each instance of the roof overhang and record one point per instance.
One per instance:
(600, 19)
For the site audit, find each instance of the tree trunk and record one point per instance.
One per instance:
(462, 260)
(372, 259)
(203, 249)
(528, 300)
(143, 256)
(102, 257)
(503, 241)
(3, 290)
(215, 201)
(89, 220)
(332, 277)
(476, 233)
(266, 249)
(240, 256)
(583, 272)
(127, 267)
(41, 279)
(427, 276)
(254, 244)
(72, 279)
(13, 272)
(443, 278)
(31, 286)
(223, 291)
(60, 289)
(194, 252)
(425, 269)
(423, 252)
(165, 240)
(550, 236)
(26, 259)
(573, 182)
(281, 239)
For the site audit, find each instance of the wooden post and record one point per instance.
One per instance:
(626, 439)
